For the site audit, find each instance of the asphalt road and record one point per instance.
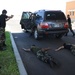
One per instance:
(33, 65)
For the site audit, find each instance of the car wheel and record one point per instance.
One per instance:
(36, 34)
(59, 36)
(22, 27)
(26, 31)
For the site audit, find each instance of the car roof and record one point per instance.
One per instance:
(48, 10)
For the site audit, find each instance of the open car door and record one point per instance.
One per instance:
(25, 20)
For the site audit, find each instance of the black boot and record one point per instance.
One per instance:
(0, 67)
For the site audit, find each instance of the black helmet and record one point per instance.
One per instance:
(4, 11)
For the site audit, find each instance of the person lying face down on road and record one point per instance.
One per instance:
(34, 49)
(42, 54)
(69, 47)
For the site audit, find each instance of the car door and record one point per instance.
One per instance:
(25, 20)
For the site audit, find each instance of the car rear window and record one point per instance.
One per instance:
(54, 15)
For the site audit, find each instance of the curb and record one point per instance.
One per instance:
(21, 68)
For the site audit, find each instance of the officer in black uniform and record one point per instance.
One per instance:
(70, 25)
(3, 19)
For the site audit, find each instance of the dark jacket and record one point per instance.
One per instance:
(3, 20)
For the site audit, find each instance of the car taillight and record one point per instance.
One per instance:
(44, 25)
(66, 25)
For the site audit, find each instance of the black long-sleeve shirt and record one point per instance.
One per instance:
(69, 20)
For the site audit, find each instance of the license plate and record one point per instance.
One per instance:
(56, 25)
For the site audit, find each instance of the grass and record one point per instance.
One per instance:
(7, 59)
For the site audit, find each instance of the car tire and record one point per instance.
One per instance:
(26, 31)
(59, 36)
(22, 27)
(36, 34)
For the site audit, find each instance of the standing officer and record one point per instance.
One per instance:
(70, 25)
(3, 19)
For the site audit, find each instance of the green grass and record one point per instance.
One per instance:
(7, 59)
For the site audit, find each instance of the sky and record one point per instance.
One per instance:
(18, 6)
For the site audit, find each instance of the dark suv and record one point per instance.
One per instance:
(46, 22)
